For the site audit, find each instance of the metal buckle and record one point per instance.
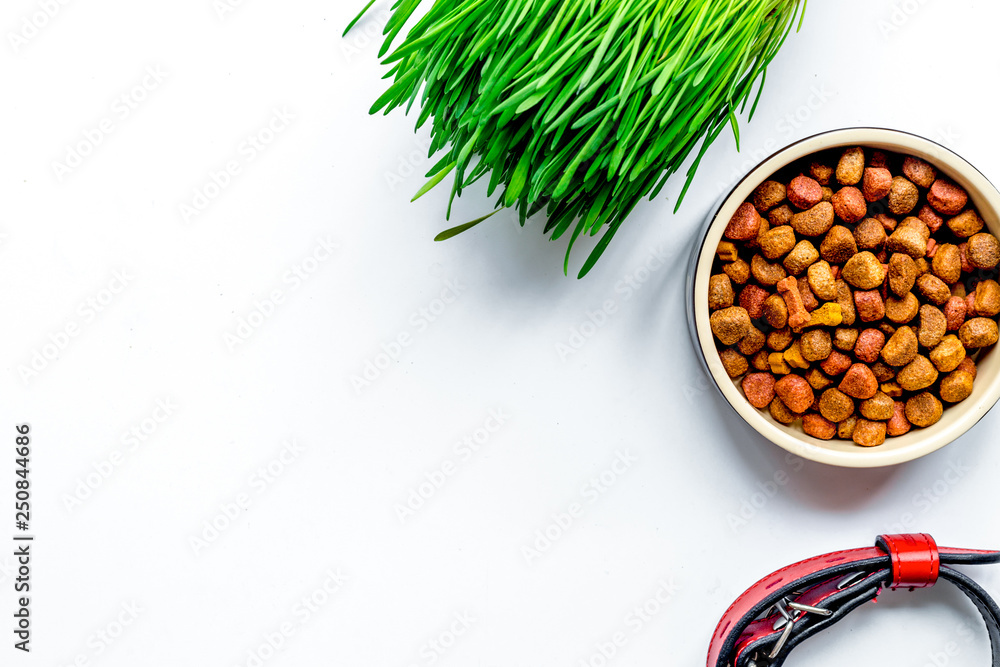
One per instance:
(788, 618)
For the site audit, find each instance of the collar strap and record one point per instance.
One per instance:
(788, 606)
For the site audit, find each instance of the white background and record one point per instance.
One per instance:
(695, 516)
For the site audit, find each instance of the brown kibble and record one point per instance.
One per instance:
(844, 338)
(987, 301)
(924, 409)
(897, 424)
(821, 280)
(835, 405)
(954, 312)
(864, 271)
(778, 365)
(933, 326)
(851, 166)
(827, 193)
(777, 242)
(947, 264)
(809, 299)
(815, 221)
(779, 339)
(752, 342)
(886, 328)
(903, 196)
(958, 289)
(734, 362)
(879, 159)
(891, 389)
(730, 324)
(888, 222)
(761, 231)
(798, 316)
(775, 311)
(781, 215)
(966, 224)
(759, 389)
(816, 345)
(818, 427)
(794, 392)
(869, 344)
(726, 251)
(877, 408)
(817, 380)
(804, 192)
(970, 306)
(901, 349)
(870, 306)
(978, 332)
(919, 171)
(766, 273)
(845, 429)
(916, 375)
(752, 299)
(877, 182)
(759, 361)
(956, 386)
(738, 271)
(869, 234)
(838, 245)
(948, 354)
(868, 433)
(930, 218)
(780, 412)
(902, 273)
(720, 292)
(768, 195)
(983, 250)
(933, 289)
(946, 198)
(849, 205)
(909, 240)
(883, 371)
(836, 363)
(821, 172)
(801, 257)
(745, 223)
(845, 299)
(969, 366)
(901, 311)
(859, 382)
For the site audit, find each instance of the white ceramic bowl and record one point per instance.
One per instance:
(957, 418)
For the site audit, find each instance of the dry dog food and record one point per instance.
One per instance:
(853, 292)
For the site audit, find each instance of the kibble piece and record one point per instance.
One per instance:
(794, 392)
(859, 382)
(821, 280)
(798, 316)
(891, 389)
(777, 242)
(954, 312)
(947, 263)
(759, 361)
(877, 182)
(987, 300)
(901, 311)
(738, 271)
(778, 365)
(933, 289)
(752, 298)
(918, 374)
(849, 205)
(838, 245)
(966, 224)
(879, 159)
(883, 372)
(870, 306)
(868, 433)
(887, 329)
(919, 172)
(779, 339)
(766, 273)
(933, 326)
(734, 362)
(836, 363)
(956, 386)
(869, 344)
(898, 424)
(946, 197)
(764, 227)
(948, 354)
(970, 306)
(983, 250)
(978, 332)
(816, 345)
(780, 412)
(821, 172)
(775, 311)
(804, 192)
(901, 349)
(851, 166)
(827, 315)
(818, 427)
(730, 324)
(753, 342)
(815, 221)
(864, 271)
(745, 223)
(759, 389)
(809, 300)
(878, 408)
(902, 273)
(768, 195)
(845, 429)
(869, 234)
(958, 289)
(903, 196)
(817, 380)
(782, 215)
(793, 356)
(969, 366)
(801, 257)
(720, 292)
(726, 251)
(845, 299)
(930, 217)
(907, 239)
(887, 221)
(924, 409)
(844, 338)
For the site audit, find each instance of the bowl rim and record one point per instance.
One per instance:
(923, 441)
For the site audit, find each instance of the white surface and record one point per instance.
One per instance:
(634, 387)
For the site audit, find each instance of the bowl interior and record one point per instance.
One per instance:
(957, 418)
